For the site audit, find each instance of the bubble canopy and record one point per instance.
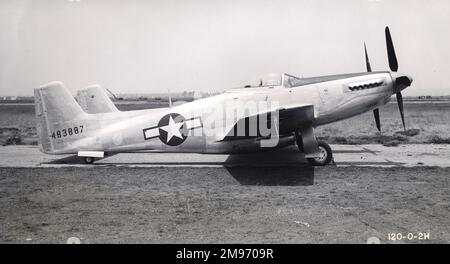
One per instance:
(275, 79)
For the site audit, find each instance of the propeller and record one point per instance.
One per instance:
(401, 82)
(376, 112)
(369, 68)
(400, 107)
(393, 64)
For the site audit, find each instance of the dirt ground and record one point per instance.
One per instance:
(223, 205)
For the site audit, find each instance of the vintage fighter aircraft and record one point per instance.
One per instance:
(291, 108)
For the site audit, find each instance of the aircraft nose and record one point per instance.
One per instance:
(402, 82)
(410, 80)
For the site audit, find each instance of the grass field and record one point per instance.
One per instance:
(426, 122)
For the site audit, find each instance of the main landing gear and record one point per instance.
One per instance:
(325, 155)
(321, 156)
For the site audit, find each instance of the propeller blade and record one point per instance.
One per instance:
(393, 64)
(376, 114)
(400, 107)
(369, 69)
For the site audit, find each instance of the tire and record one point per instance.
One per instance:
(89, 160)
(327, 157)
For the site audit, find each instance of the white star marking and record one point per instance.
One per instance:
(173, 129)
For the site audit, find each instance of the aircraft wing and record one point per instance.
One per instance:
(289, 119)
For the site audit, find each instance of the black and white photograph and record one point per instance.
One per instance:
(253, 122)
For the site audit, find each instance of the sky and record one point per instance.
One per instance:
(147, 46)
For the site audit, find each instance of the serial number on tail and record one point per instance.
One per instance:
(67, 132)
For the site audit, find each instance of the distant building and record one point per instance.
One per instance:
(9, 98)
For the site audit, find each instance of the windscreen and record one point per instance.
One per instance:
(291, 81)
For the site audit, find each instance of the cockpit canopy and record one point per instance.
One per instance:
(275, 79)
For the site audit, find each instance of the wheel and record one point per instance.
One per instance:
(89, 160)
(326, 155)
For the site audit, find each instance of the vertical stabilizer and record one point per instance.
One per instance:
(59, 118)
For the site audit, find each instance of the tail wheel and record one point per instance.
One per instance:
(326, 155)
(89, 160)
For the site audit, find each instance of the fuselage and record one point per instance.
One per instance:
(334, 98)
